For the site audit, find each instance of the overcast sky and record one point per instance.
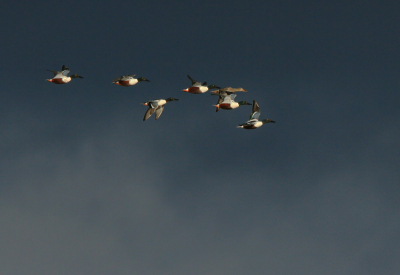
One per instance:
(87, 187)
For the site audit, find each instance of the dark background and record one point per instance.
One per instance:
(87, 187)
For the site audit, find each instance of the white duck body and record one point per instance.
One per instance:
(229, 106)
(162, 102)
(126, 81)
(133, 81)
(227, 102)
(60, 79)
(251, 124)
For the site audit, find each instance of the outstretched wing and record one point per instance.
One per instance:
(65, 71)
(255, 113)
(148, 113)
(194, 82)
(229, 98)
(55, 73)
(159, 111)
(124, 77)
(117, 79)
(128, 77)
(221, 93)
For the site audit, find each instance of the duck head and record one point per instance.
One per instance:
(171, 99)
(143, 79)
(213, 86)
(244, 103)
(267, 121)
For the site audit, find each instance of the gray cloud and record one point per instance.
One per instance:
(107, 203)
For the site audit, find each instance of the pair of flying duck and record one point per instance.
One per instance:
(226, 95)
(61, 77)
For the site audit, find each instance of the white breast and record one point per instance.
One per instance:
(203, 89)
(66, 79)
(234, 105)
(133, 81)
(162, 102)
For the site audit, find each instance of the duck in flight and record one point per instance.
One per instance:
(227, 102)
(156, 106)
(222, 91)
(128, 80)
(253, 122)
(197, 87)
(61, 77)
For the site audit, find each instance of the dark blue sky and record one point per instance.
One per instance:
(87, 187)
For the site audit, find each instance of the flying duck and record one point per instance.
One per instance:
(128, 80)
(227, 102)
(156, 106)
(197, 87)
(61, 77)
(253, 122)
(229, 90)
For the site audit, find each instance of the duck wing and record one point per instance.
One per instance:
(228, 98)
(159, 111)
(65, 71)
(148, 113)
(255, 113)
(56, 73)
(194, 82)
(118, 79)
(124, 78)
(128, 77)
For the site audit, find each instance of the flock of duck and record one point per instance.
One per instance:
(226, 96)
